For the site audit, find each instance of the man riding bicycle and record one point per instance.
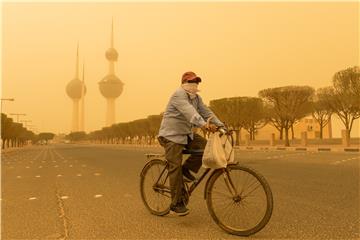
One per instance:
(184, 112)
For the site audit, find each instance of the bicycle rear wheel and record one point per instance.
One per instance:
(155, 187)
(239, 200)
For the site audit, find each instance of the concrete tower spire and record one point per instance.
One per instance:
(110, 86)
(74, 91)
(112, 33)
(77, 63)
(82, 103)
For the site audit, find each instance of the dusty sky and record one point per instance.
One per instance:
(237, 48)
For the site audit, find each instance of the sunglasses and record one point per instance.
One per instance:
(195, 80)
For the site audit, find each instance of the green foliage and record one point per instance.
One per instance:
(282, 106)
(343, 98)
(287, 106)
(76, 136)
(45, 136)
(15, 132)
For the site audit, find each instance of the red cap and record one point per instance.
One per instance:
(190, 76)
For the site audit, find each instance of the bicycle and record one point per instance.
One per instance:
(227, 202)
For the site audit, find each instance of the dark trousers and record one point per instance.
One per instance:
(173, 154)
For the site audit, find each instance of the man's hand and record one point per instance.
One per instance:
(210, 127)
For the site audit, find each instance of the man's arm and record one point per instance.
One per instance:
(181, 103)
(206, 113)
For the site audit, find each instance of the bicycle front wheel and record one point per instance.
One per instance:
(239, 200)
(155, 187)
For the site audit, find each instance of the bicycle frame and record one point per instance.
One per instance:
(194, 185)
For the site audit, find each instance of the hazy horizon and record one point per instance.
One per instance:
(238, 48)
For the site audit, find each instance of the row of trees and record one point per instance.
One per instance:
(281, 107)
(15, 135)
(141, 130)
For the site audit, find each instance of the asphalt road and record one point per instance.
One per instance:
(92, 192)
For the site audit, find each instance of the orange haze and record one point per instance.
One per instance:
(238, 48)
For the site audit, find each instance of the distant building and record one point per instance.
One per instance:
(307, 124)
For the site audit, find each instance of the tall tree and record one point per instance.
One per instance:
(289, 104)
(254, 115)
(46, 136)
(321, 111)
(343, 98)
(154, 125)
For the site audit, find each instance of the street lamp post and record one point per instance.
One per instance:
(25, 122)
(5, 99)
(17, 115)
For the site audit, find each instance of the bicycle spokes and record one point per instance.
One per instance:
(229, 183)
(155, 189)
(239, 200)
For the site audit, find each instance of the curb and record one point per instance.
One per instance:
(308, 149)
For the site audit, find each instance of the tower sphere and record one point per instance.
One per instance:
(111, 54)
(73, 88)
(111, 86)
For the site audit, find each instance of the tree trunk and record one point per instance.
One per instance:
(281, 133)
(287, 143)
(321, 124)
(151, 140)
(237, 142)
(292, 132)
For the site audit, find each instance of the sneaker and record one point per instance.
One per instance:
(179, 210)
(188, 177)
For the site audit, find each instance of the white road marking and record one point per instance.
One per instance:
(64, 197)
(18, 176)
(98, 196)
(70, 165)
(97, 174)
(342, 161)
(27, 167)
(40, 166)
(59, 175)
(32, 198)
(37, 176)
(79, 175)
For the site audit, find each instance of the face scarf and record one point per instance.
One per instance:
(191, 89)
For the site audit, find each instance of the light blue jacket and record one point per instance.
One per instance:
(182, 114)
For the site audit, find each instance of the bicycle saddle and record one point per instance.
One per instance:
(193, 151)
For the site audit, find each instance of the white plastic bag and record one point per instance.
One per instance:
(218, 152)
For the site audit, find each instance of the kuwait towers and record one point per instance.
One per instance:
(110, 86)
(76, 90)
